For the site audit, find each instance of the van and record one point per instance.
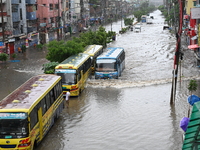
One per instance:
(137, 28)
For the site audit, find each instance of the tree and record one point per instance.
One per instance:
(60, 50)
(49, 68)
(3, 57)
(128, 21)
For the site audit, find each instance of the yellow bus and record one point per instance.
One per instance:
(74, 71)
(94, 51)
(27, 114)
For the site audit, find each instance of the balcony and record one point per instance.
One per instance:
(31, 15)
(5, 19)
(4, 13)
(30, 1)
(15, 2)
(5, 32)
(31, 29)
(16, 32)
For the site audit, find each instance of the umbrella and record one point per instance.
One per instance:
(192, 99)
(184, 123)
(193, 46)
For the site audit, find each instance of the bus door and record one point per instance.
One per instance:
(40, 122)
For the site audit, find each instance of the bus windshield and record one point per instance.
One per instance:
(68, 76)
(106, 65)
(13, 127)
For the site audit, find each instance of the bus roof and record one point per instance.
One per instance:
(111, 53)
(27, 94)
(92, 49)
(73, 62)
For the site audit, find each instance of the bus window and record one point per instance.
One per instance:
(52, 97)
(68, 78)
(47, 98)
(34, 117)
(44, 106)
(14, 128)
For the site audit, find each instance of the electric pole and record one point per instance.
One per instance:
(58, 23)
(2, 20)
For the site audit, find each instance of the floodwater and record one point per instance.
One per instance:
(131, 113)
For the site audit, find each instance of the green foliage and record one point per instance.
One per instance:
(192, 86)
(171, 15)
(138, 15)
(128, 21)
(123, 30)
(3, 57)
(40, 46)
(23, 48)
(14, 55)
(144, 9)
(60, 50)
(49, 68)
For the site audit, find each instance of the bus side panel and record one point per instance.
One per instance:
(40, 123)
(58, 108)
(47, 120)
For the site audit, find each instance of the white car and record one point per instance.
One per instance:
(137, 28)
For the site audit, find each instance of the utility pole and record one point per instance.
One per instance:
(2, 20)
(58, 23)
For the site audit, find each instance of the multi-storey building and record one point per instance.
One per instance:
(49, 18)
(31, 22)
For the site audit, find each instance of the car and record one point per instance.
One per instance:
(137, 28)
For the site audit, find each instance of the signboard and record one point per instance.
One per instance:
(1, 44)
(13, 115)
(42, 24)
(195, 13)
(11, 40)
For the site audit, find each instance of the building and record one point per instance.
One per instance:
(50, 24)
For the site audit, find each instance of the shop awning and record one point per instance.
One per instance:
(193, 46)
(192, 134)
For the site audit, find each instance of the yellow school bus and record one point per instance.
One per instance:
(94, 51)
(74, 71)
(27, 114)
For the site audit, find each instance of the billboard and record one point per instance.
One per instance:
(195, 13)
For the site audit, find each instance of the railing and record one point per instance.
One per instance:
(15, 2)
(30, 1)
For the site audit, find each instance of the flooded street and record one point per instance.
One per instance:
(131, 113)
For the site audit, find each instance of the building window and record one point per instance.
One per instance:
(52, 19)
(51, 6)
(57, 6)
(194, 3)
(14, 8)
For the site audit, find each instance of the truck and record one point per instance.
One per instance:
(149, 20)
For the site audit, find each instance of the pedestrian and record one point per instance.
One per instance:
(19, 50)
(67, 98)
